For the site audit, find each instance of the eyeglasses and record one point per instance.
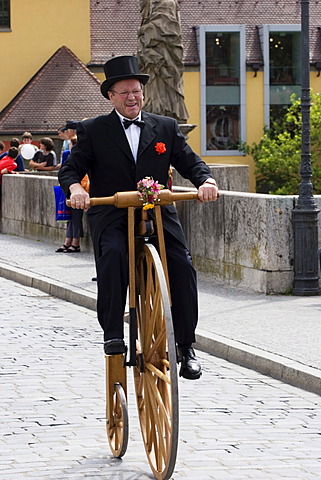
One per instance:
(136, 93)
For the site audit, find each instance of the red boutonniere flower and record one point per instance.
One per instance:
(160, 147)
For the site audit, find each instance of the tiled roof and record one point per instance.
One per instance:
(63, 89)
(114, 24)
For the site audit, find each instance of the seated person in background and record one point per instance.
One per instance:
(45, 158)
(7, 163)
(26, 140)
(14, 142)
(2, 149)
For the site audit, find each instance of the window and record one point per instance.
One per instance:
(222, 50)
(282, 57)
(4, 14)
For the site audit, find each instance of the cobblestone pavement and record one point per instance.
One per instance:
(234, 423)
(277, 335)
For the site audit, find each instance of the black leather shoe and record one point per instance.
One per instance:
(190, 366)
(114, 346)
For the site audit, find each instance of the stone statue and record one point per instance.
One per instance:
(160, 55)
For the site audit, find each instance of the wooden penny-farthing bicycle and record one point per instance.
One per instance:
(152, 348)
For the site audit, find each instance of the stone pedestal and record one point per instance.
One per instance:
(186, 128)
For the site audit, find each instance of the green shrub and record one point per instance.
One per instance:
(277, 156)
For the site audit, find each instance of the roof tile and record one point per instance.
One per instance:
(114, 24)
(63, 88)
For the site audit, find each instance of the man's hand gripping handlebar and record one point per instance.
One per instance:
(131, 199)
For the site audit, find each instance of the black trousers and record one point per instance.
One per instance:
(112, 282)
(74, 226)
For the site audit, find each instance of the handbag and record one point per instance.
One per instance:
(63, 213)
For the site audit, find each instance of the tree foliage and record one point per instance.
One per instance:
(277, 156)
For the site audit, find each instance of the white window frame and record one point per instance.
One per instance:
(202, 30)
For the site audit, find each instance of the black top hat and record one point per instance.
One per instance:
(121, 68)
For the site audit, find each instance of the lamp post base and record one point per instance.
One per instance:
(305, 228)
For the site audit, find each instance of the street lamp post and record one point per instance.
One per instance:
(305, 213)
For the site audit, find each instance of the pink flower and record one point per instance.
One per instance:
(148, 191)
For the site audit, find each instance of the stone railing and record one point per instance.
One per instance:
(243, 239)
(28, 208)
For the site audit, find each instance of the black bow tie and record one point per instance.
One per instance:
(127, 123)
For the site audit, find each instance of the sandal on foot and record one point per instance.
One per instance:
(73, 249)
(63, 248)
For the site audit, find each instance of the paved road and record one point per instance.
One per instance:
(277, 335)
(235, 423)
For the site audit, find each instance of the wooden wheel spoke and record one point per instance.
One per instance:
(150, 327)
(138, 347)
(163, 412)
(157, 372)
(150, 423)
(160, 422)
(116, 438)
(156, 345)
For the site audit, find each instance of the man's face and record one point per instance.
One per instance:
(127, 105)
(26, 140)
(70, 133)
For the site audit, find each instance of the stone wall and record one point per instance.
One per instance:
(243, 239)
(28, 209)
(228, 177)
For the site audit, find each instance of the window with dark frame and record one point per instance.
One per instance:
(222, 90)
(285, 70)
(4, 14)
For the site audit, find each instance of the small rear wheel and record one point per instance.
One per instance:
(117, 425)
(116, 405)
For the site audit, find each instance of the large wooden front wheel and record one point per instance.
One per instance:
(156, 382)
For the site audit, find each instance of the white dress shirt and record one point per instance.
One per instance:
(132, 133)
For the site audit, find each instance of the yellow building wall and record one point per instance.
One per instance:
(254, 119)
(38, 29)
(193, 104)
(315, 82)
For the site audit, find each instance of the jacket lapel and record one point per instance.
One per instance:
(148, 133)
(117, 135)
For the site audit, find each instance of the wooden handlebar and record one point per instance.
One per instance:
(131, 199)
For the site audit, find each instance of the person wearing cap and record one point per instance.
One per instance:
(64, 138)
(70, 131)
(70, 125)
(117, 151)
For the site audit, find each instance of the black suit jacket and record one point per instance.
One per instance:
(102, 151)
